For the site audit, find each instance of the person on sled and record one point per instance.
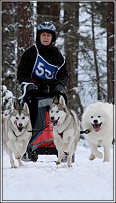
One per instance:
(43, 65)
(42, 71)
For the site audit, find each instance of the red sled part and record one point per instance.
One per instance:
(45, 139)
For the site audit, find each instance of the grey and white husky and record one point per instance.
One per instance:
(15, 133)
(66, 129)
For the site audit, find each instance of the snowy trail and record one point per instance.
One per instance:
(43, 180)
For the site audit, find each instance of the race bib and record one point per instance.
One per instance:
(42, 69)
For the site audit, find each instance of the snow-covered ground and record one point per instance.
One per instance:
(45, 181)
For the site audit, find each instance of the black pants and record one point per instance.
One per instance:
(33, 105)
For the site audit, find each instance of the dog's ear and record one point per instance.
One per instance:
(55, 100)
(62, 101)
(16, 105)
(26, 108)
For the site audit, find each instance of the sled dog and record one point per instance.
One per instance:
(98, 119)
(15, 133)
(66, 129)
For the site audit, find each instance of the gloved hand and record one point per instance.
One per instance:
(60, 90)
(59, 87)
(26, 87)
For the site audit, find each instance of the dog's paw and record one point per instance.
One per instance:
(106, 159)
(69, 165)
(58, 162)
(14, 166)
(92, 157)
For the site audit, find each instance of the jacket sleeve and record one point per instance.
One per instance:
(26, 65)
(62, 75)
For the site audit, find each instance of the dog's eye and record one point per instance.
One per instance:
(91, 116)
(99, 116)
(23, 117)
(57, 111)
(51, 111)
(17, 118)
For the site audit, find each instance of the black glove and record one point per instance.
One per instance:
(26, 87)
(59, 87)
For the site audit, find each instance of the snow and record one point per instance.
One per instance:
(45, 181)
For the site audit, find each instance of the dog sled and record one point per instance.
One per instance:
(41, 142)
(42, 134)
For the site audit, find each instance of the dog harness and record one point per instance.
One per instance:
(42, 69)
(62, 126)
(85, 131)
(61, 134)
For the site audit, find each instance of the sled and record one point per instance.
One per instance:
(42, 134)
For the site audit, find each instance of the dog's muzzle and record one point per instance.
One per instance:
(20, 126)
(54, 122)
(96, 125)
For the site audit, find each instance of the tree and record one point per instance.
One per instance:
(70, 30)
(92, 52)
(17, 37)
(81, 37)
(48, 12)
(25, 30)
(9, 44)
(110, 51)
(95, 53)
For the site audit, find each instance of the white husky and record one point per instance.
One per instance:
(15, 133)
(98, 118)
(66, 129)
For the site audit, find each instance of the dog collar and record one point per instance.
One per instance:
(15, 134)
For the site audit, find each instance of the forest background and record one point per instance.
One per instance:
(85, 36)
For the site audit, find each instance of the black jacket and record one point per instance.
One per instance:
(52, 55)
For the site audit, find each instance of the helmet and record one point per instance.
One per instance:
(47, 26)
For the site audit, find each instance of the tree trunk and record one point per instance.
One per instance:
(25, 27)
(48, 12)
(110, 51)
(9, 45)
(71, 26)
(95, 55)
